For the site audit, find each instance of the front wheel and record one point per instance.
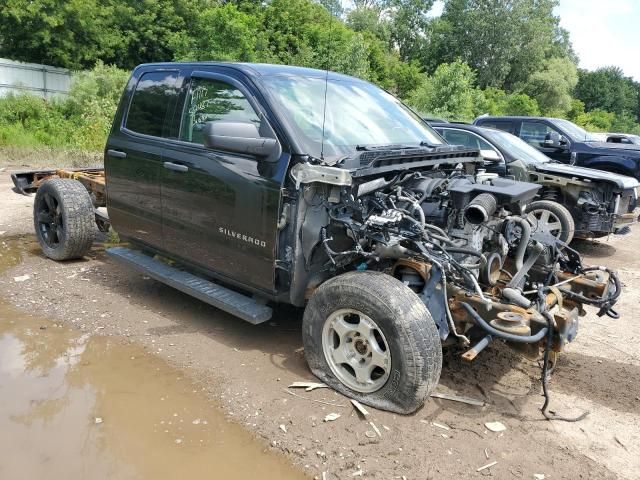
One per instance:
(370, 337)
(551, 217)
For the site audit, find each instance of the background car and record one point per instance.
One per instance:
(574, 200)
(568, 143)
(623, 138)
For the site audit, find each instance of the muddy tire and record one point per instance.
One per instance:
(64, 219)
(370, 337)
(547, 215)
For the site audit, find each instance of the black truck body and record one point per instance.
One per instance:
(271, 184)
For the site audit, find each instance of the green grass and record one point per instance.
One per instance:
(47, 157)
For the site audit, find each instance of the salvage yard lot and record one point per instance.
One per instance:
(246, 369)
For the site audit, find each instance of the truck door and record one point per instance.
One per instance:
(133, 156)
(539, 135)
(219, 208)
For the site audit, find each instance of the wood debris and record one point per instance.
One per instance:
(457, 398)
(331, 417)
(488, 465)
(440, 425)
(313, 399)
(495, 426)
(373, 425)
(358, 406)
(308, 386)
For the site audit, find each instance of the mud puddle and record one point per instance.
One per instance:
(77, 405)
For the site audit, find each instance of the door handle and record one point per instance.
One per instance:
(176, 167)
(116, 153)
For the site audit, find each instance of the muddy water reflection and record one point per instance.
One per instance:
(74, 406)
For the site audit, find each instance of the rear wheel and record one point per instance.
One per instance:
(64, 219)
(371, 338)
(551, 217)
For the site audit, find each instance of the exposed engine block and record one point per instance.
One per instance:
(460, 241)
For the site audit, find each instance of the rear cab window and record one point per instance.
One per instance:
(152, 103)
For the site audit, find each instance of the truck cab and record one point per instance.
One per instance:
(213, 207)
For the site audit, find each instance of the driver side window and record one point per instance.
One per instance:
(535, 133)
(213, 100)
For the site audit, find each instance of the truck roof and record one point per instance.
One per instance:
(514, 117)
(259, 69)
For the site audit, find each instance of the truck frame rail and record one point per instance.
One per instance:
(92, 178)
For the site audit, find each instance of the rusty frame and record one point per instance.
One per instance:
(93, 180)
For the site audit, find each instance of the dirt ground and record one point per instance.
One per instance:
(245, 370)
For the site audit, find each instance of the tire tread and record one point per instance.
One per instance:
(78, 216)
(418, 338)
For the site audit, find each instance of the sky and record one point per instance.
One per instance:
(604, 32)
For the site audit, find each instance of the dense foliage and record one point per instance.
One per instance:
(479, 56)
(80, 121)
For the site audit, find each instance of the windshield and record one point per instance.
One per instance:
(516, 147)
(576, 133)
(358, 114)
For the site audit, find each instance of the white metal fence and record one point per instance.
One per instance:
(42, 80)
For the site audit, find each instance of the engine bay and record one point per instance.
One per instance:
(458, 238)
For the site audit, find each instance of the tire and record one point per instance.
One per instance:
(64, 219)
(396, 318)
(541, 209)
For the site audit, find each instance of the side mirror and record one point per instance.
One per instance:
(491, 157)
(555, 140)
(238, 137)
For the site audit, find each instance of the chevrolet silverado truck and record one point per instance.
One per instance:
(270, 184)
(566, 142)
(593, 203)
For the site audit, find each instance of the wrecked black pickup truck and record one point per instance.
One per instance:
(269, 184)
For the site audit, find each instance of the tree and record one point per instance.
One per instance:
(77, 33)
(409, 23)
(147, 28)
(368, 21)
(596, 120)
(552, 86)
(608, 89)
(71, 34)
(220, 33)
(504, 41)
(498, 102)
(450, 92)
